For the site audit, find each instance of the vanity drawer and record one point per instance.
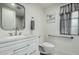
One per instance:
(25, 44)
(21, 51)
(16, 44)
(33, 48)
(11, 49)
(11, 43)
(6, 52)
(30, 48)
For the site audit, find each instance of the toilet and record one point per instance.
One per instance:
(46, 48)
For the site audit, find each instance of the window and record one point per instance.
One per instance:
(74, 23)
(69, 19)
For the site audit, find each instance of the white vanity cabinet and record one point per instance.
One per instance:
(22, 46)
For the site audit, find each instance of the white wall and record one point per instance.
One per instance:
(62, 45)
(31, 10)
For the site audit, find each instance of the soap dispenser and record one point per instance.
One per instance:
(32, 24)
(32, 27)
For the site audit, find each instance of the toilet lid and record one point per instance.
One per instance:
(47, 44)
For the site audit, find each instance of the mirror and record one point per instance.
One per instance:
(12, 16)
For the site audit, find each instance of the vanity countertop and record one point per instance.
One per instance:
(15, 38)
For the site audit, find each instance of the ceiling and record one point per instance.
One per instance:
(45, 5)
(49, 4)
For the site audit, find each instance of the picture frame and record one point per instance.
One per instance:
(50, 18)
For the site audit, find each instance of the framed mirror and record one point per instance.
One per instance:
(12, 16)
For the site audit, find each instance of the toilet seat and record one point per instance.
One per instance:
(47, 48)
(47, 44)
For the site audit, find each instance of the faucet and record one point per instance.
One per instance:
(10, 34)
(16, 31)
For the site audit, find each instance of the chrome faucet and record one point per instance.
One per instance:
(10, 34)
(16, 31)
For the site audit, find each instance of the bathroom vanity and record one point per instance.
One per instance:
(19, 45)
(12, 18)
